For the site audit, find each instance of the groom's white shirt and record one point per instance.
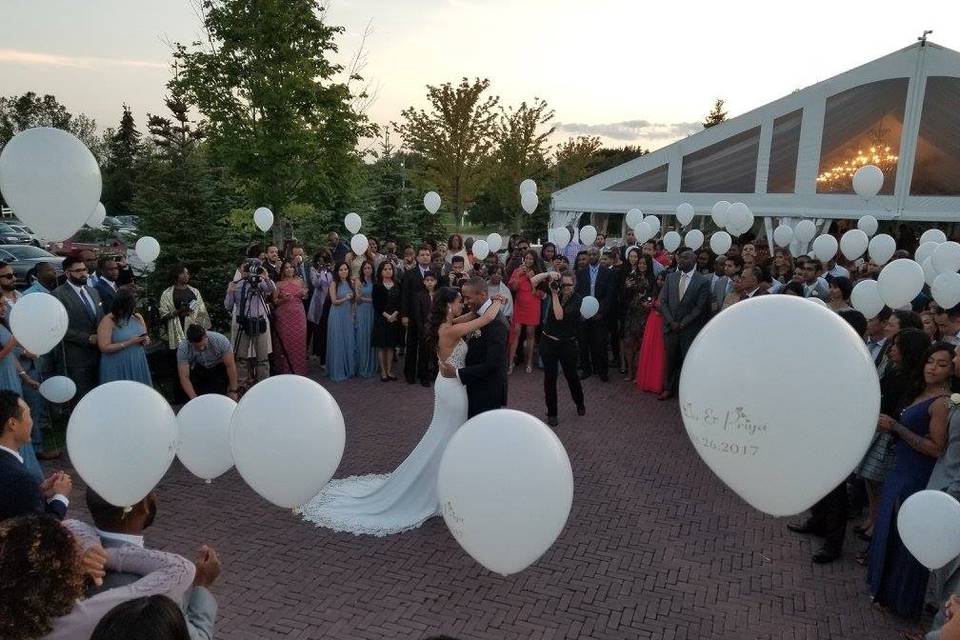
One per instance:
(482, 310)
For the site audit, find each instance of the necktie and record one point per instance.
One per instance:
(684, 281)
(88, 303)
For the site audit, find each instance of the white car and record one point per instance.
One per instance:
(35, 240)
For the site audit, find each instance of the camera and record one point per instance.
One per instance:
(253, 270)
(555, 285)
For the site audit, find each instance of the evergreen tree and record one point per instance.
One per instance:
(120, 165)
(716, 115)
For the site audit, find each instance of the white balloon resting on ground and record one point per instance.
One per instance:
(866, 299)
(929, 526)
(352, 222)
(203, 426)
(263, 218)
(39, 322)
(431, 201)
(147, 248)
(778, 451)
(58, 389)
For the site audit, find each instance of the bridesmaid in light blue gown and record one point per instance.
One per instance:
(121, 337)
(366, 354)
(10, 380)
(341, 336)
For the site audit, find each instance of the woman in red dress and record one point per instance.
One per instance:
(526, 309)
(290, 322)
(652, 360)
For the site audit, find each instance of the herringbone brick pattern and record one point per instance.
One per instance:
(656, 546)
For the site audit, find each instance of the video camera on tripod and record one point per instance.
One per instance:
(253, 270)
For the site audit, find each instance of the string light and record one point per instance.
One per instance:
(840, 177)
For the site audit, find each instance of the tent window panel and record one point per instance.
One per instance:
(784, 146)
(728, 166)
(654, 180)
(936, 171)
(862, 126)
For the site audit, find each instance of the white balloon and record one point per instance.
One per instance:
(633, 218)
(825, 247)
(480, 249)
(50, 180)
(561, 237)
(495, 241)
(97, 217)
(854, 243)
(881, 248)
(899, 282)
(929, 273)
(929, 526)
(122, 437)
(868, 224)
(529, 201)
(588, 234)
(805, 231)
(528, 186)
(693, 239)
(946, 290)
(359, 244)
(589, 307)
(147, 248)
(505, 487)
(719, 213)
(720, 242)
(946, 257)
(924, 251)
(58, 389)
(739, 218)
(671, 241)
(299, 457)
(867, 181)
(352, 222)
(865, 298)
(38, 322)
(203, 425)
(766, 440)
(654, 223)
(817, 301)
(933, 235)
(783, 235)
(685, 213)
(263, 218)
(643, 232)
(431, 201)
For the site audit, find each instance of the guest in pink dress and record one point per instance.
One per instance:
(652, 360)
(290, 322)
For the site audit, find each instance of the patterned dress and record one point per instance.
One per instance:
(290, 323)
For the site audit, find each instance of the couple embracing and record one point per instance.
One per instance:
(469, 336)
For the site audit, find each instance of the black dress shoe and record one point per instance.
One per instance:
(552, 421)
(802, 527)
(825, 556)
(581, 410)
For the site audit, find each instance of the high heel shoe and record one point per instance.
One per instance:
(529, 369)
(510, 369)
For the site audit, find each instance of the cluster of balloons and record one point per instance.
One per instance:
(528, 196)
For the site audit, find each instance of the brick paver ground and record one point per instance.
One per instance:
(655, 547)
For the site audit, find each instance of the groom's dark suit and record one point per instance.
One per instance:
(485, 373)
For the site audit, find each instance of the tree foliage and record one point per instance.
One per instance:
(716, 115)
(18, 113)
(573, 160)
(120, 165)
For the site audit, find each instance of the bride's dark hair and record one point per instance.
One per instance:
(438, 315)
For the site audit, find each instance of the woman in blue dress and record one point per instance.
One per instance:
(897, 581)
(121, 336)
(341, 336)
(366, 354)
(12, 378)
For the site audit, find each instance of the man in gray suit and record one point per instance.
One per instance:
(81, 355)
(685, 306)
(724, 284)
(117, 528)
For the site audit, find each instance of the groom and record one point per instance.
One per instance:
(485, 373)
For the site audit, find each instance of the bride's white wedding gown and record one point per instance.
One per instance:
(383, 504)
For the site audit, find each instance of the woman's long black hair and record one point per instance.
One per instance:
(438, 315)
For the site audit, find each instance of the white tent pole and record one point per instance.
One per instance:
(910, 132)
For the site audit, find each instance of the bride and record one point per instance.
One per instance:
(381, 505)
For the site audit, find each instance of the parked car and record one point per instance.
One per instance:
(9, 235)
(24, 257)
(35, 240)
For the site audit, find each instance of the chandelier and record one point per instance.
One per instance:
(840, 177)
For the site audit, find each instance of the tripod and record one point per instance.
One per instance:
(250, 325)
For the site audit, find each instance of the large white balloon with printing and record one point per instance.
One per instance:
(263, 218)
(203, 425)
(431, 201)
(881, 248)
(866, 299)
(825, 247)
(495, 241)
(588, 234)
(352, 222)
(868, 224)
(50, 180)
(946, 290)
(867, 181)
(783, 235)
(719, 213)
(764, 439)
(805, 231)
(720, 242)
(671, 241)
(933, 235)
(506, 488)
(685, 213)
(298, 458)
(633, 218)
(693, 239)
(853, 244)
(39, 322)
(946, 257)
(899, 282)
(929, 525)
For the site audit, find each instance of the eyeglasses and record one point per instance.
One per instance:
(7, 276)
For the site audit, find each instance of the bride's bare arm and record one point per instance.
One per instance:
(456, 331)
(466, 317)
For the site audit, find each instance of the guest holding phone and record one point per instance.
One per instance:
(121, 336)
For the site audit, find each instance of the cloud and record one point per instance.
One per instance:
(632, 129)
(16, 56)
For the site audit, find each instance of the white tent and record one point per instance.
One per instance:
(794, 158)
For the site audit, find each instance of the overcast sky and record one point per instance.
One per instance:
(632, 72)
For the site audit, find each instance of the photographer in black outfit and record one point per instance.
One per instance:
(248, 297)
(558, 340)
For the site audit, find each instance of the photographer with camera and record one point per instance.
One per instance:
(248, 296)
(558, 342)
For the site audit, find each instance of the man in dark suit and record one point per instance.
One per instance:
(84, 312)
(594, 280)
(485, 373)
(108, 272)
(414, 367)
(118, 527)
(20, 492)
(685, 305)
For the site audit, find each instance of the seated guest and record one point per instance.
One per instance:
(121, 336)
(108, 272)
(20, 492)
(206, 363)
(119, 527)
(44, 563)
(148, 618)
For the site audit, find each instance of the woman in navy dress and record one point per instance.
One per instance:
(366, 354)
(897, 580)
(341, 336)
(121, 337)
